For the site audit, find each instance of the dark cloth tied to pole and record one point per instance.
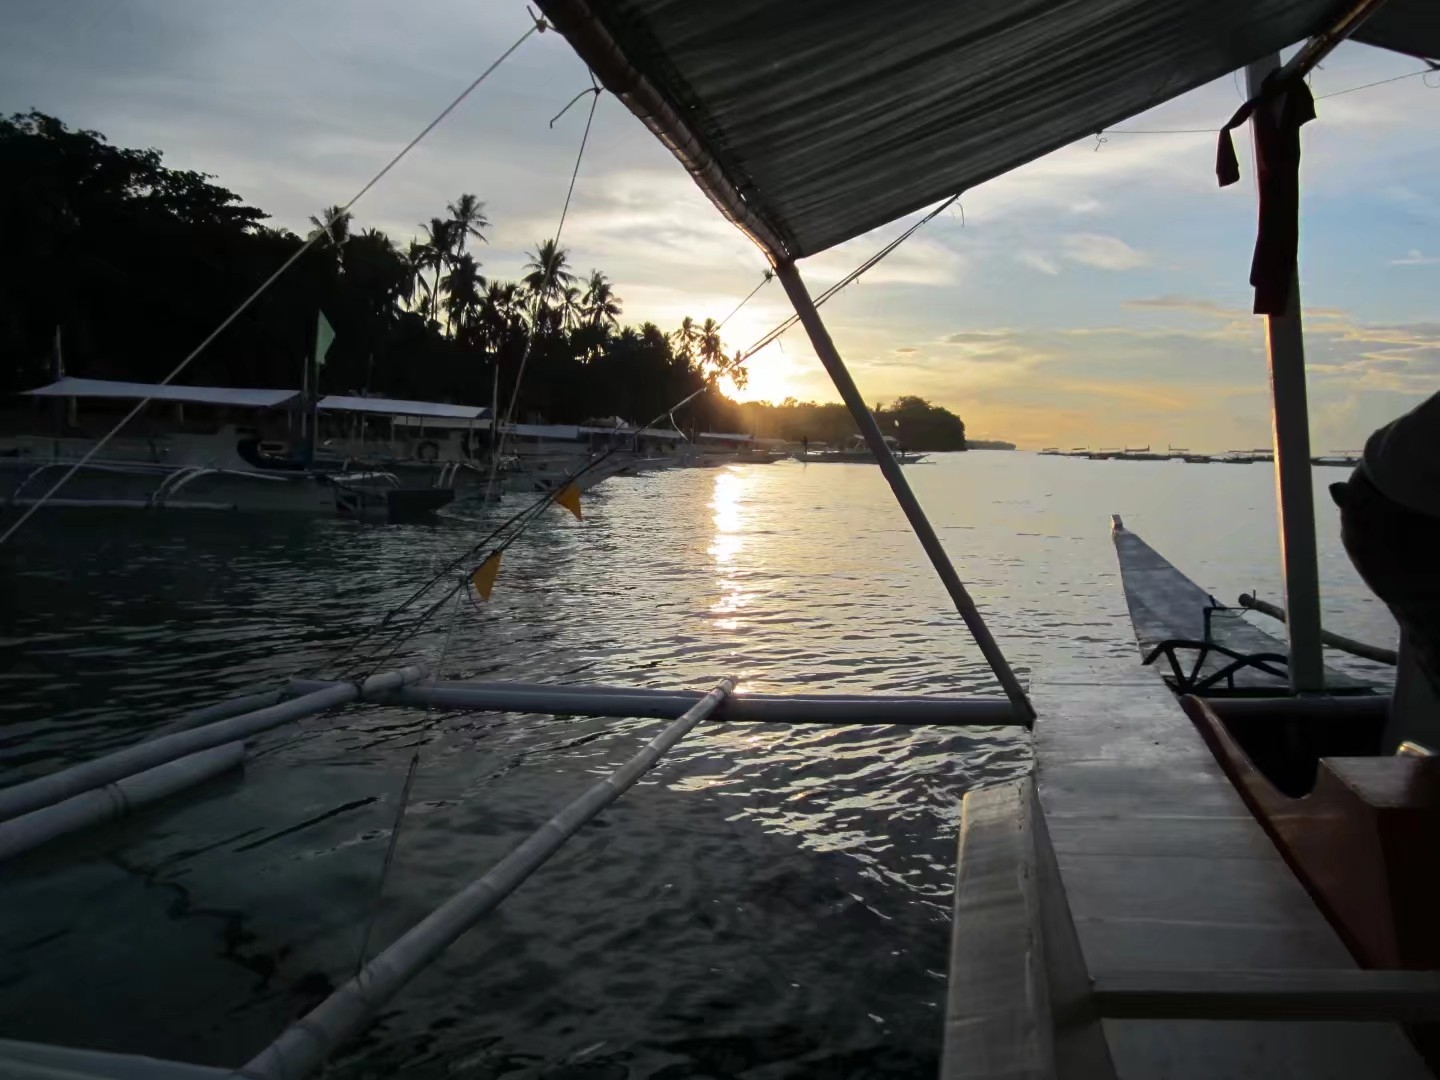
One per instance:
(1279, 113)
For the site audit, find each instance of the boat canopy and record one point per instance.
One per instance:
(662, 433)
(560, 432)
(723, 437)
(239, 397)
(811, 122)
(395, 407)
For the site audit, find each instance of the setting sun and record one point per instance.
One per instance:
(772, 376)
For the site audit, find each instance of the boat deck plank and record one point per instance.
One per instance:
(1164, 869)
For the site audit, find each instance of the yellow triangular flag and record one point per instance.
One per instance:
(569, 497)
(484, 576)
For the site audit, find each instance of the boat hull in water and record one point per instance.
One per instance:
(853, 457)
(140, 485)
(390, 506)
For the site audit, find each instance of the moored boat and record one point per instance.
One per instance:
(856, 452)
(235, 449)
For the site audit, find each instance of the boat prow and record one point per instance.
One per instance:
(1206, 647)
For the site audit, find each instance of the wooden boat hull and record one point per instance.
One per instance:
(1359, 830)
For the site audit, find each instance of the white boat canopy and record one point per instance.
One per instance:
(395, 407)
(809, 123)
(239, 397)
(723, 437)
(556, 432)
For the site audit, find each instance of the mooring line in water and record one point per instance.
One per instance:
(314, 237)
(521, 520)
(347, 648)
(388, 863)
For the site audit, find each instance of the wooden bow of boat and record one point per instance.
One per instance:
(1203, 645)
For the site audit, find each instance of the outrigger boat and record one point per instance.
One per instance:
(226, 464)
(858, 452)
(1121, 912)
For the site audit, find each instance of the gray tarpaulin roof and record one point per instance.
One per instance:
(194, 395)
(396, 407)
(809, 122)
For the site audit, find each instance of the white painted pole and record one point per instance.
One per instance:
(305, 1045)
(840, 375)
(1295, 495)
(47, 790)
(38, 1061)
(99, 805)
(221, 711)
(620, 701)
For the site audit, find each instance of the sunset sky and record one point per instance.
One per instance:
(1097, 296)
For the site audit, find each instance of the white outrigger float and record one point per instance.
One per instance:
(1121, 912)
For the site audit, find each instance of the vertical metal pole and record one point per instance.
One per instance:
(840, 375)
(1295, 495)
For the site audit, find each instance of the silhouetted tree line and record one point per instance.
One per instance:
(918, 424)
(136, 263)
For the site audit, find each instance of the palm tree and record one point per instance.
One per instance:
(571, 305)
(501, 316)
(416, 261)
(548, 270)
(683, 340)
(439, 246)
(463, 288)
(601, 305)
(712, 352)
(334, 224)
(467, 216)
(375, 273)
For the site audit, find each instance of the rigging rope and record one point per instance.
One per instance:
(1214, 131)
(314, 237)
(499, 448)
(769, 277)
(854, 275)
(594, 103)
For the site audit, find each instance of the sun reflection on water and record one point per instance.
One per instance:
(728, 513)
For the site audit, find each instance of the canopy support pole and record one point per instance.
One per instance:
(1295, 496)
(840, 375)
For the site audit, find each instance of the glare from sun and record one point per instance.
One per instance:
(773, 377)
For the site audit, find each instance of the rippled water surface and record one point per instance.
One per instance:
(769, 903)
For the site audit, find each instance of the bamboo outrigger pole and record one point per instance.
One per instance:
(305, 1045)
(1377, 653)
(67, 783)
(840, 375)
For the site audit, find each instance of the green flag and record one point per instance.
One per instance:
(324, 338)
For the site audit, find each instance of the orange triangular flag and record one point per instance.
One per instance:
(569, 497)
(484, 576)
